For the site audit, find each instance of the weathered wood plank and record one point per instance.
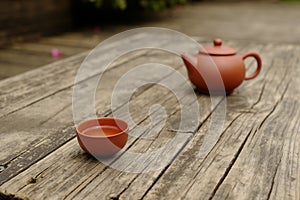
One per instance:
(173, 63)
(138, 103)
(182, 177)
(268, 166)
(59, 75)
(10, 69)
(88, 40)
(193, 179)
(15, 96)
(52, 128)
(19, 160)
(19, 164)
(46, 48)
(161, 141)
(141, 185)
(249, 120)
(22, 57)
(254, 172)
(123, 180)
(70, 185)
(38, 53)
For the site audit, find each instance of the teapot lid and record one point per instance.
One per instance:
(217, 49)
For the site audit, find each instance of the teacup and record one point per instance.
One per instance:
(102, 137)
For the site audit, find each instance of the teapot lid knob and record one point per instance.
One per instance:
(217, 42)
(217, 49)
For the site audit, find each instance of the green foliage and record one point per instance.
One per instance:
(98, 3)
(154, 5)
(121, 4)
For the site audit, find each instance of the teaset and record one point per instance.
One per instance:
(214, 70)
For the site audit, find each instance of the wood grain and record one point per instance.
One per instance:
(85, 40)
(38, 130)
(256, 157)
(39, 47)
(221, 175)
(138, 104)
(20, 57)
(55, 125)
(55, 77)
(158, 92)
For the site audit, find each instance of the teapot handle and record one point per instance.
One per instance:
(259, 64)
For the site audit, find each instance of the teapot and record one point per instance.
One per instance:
(218, 67)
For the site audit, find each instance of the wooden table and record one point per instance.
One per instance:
(256, 157)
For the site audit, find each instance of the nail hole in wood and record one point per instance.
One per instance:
(32, 180)
(2, 168)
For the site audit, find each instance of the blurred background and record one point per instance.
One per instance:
(26, 20)
(34, 33)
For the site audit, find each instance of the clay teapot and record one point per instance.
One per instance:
(218, 67)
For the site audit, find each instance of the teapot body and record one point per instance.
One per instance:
(218, 69)
(216, 74)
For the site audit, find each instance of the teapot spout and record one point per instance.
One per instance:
(189, 61)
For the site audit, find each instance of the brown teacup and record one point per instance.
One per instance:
(102, 137)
